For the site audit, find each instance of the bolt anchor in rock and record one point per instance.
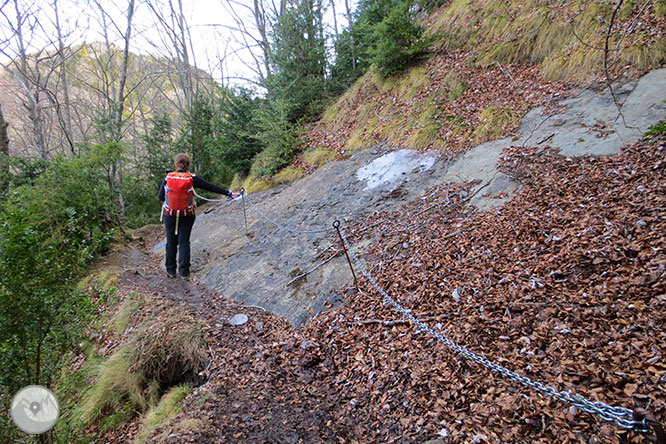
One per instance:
(336, 225)
(242, 193)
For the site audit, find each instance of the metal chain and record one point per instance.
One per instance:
(211, 200)
(621, 416)
(282, 227)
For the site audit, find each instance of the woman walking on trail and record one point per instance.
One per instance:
(177, 193)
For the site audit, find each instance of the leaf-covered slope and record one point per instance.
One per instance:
(565, 284)
(493, 61)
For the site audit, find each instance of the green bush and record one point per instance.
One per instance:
(237, 126)
(278, 134)
(50, 231)
(399, 42)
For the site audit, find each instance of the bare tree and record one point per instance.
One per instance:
(63, 110)
(37, 53)
(176, 32)
(25, 69)
(112, 88)
(263, 14)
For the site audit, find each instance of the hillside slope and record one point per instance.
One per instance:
(561, 279)
(563, 284)
(526, 224)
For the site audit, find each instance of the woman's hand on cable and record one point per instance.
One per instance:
(234, 195)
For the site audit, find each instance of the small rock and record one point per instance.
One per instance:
(238, 319)
(456, 295)
(405, 245)
(479, 438)
(308, 344)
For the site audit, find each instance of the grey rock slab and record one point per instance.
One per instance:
(591, 123)
(260, 269)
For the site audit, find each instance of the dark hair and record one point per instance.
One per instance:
(182, 161)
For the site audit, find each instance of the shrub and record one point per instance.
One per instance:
(51, 230)
(278, 134)
(656, 130)
(399, 42)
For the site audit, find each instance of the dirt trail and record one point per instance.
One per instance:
(256, 383)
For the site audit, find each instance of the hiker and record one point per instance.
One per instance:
(177, 193)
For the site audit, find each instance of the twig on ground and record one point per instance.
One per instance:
(301, 276)
(506, 73)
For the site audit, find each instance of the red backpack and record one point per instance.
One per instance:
(179, 194)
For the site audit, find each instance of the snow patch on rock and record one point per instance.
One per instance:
(392, 168)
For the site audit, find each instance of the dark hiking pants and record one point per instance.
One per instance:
(178, 244)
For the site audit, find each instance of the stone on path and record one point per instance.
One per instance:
(238, 319)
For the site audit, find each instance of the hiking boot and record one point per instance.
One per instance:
(185, 277)
(171, 275)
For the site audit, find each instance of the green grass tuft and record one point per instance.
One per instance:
(164, 412)
(319, 156)
(122, 318)
(115, 386)
(288, 175)
(660, 8)
(495, 121)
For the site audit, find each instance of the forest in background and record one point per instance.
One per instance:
(87, 130)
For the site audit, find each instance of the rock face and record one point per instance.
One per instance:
(261, 267)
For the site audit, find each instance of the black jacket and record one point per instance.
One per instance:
(198, 183)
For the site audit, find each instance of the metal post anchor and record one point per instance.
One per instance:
(242, 193)
(651, 424)
(336, 225)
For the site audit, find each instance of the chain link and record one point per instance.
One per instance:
(621, 416)
(212, 200)
(280, 226)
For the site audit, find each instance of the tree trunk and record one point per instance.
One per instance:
(335, 17)
(351, 34)
(260, 20)
(120, 98)
(64, 111)
(33, 106)
(184, 71)
(4, 149)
